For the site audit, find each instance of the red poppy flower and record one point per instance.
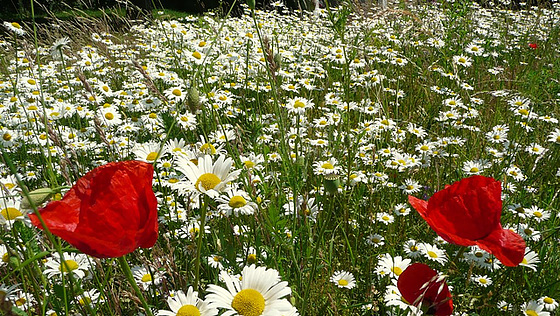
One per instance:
(533, 45)
(109, 212)
(422, 287)
(468, 213)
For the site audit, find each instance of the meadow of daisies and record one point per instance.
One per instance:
(284, 147)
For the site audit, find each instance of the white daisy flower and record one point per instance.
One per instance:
(206, 176)
(10, 212)
(343, 279)
(530, 260)
(187, 304)
(533, 308)
(393, 266)
(258, 291)
(482, 280)
(77, 263)
(237, 202)
(549, 303)
(434, 253)
(145, 278)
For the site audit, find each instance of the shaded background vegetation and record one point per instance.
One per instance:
(22, 8)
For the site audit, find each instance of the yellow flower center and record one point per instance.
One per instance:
(252, 258)
(523, 112)
(396, 270)
(327, 165)
(188, 310)
(176, 92)
(537, 214)
(299, 104)
(548, 300)
(474, 169)
(208, 148)
(152, 156)
(237, 201)
(173, 180)
(342, 282)
(11, 213)
(208, 181)
(483, 281)
(249, 164)
(152, 116)
(7, 137)
(196, 55)
(531, 313)
(424, 148)
(84, 300)
(68, 265)
(147, 278)
(528, 231)
(109, 116)
(248, 302)
(16, 25)
(432, 254)
(385, 218)
(20, 301)
(5, 258)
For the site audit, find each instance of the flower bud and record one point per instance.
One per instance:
(278, 60)
(193, 98)
(36, 197)
(331, 183)
(251, 4)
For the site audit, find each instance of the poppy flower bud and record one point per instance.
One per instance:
(278, 60)
(331, 182)
(36, 197)
(251, 4)
(193, 98)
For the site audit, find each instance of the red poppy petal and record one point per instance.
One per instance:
(441, 227)
(420, 205)
(505, 245)
(109, 212)
(469, 209)
(62, 214)
(141, 174)
(419, 286)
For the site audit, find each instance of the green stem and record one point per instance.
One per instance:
(130, 278)
(323, 224)
(199, 243)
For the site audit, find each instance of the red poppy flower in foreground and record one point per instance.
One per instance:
(109, 212)
(468, 213)
(533, 45)
(422, 287)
